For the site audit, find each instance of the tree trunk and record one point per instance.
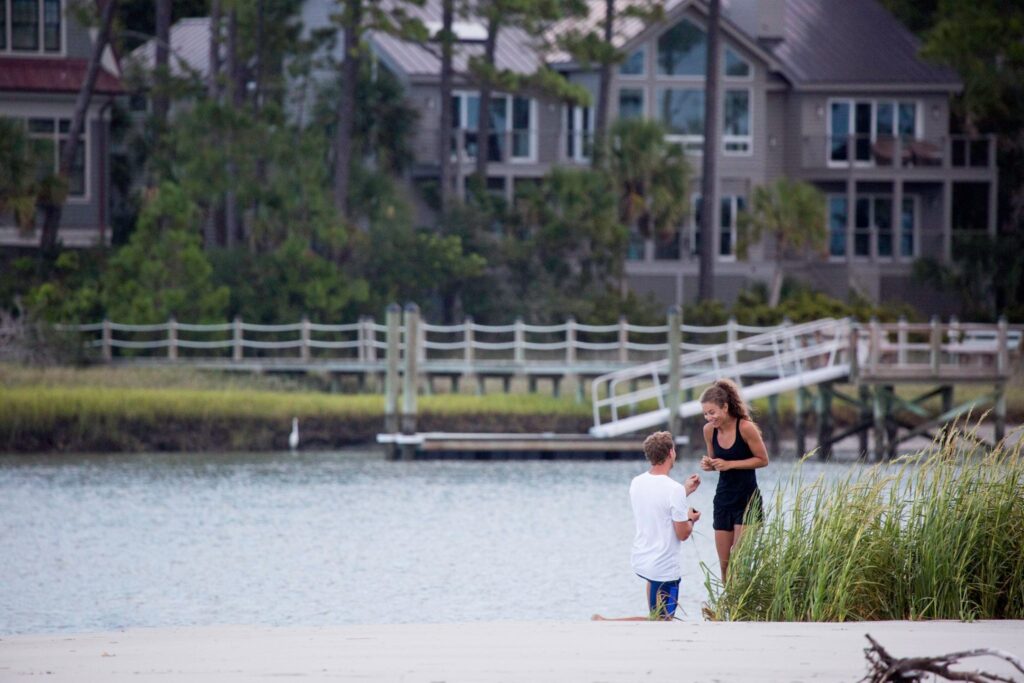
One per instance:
(603, 92)
(484, 124)
(447, 117)
(213, 78)
(235, 96)
(161, 67)
(776, 288)
(709, 194)
(343, 140)
(54, 209)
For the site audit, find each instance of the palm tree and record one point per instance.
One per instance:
(651, 176)
(793, 214)
(19, 183)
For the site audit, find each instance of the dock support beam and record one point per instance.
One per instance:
(394, 314)
(409, 377)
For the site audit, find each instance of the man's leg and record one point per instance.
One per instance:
(663, 598)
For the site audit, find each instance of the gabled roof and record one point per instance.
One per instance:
(53, 75)
(516, 50)
(850, 42)
(190, 48)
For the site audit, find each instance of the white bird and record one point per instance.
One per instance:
(293, 438)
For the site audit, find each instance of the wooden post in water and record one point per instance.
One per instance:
(107, 337)
(825, 422)
(172, 339)
(409, 376)
(394, 314)
(674, 349)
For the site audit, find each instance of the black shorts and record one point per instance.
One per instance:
(728, 516)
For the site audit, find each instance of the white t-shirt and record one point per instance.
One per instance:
(658, 500)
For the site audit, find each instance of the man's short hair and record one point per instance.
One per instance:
(657, 446)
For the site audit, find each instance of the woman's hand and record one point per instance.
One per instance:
(720, 464)
(705, 464)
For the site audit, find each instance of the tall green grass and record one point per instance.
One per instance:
(937, 535)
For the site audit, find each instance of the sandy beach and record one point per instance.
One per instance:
(498, 651)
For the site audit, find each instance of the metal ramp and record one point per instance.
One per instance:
(765, 364)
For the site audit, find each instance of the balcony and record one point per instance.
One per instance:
(881, 155)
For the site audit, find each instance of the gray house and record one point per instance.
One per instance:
(832, 92)
(44, 54)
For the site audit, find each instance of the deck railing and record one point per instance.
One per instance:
(887, 151)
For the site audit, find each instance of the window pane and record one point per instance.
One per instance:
(521, 127)
(25, 24)
(883, 213)
(908, 119)
(51, 25)
(570, 131)
(682, 50)
(837, 226)
(682, 110)
(497, 140)
(735, 66)
(635, 250)
(737, 112)
(667, 250)
(726, 219)
(862, 125)
(41, 126)
(884, 118)
(725, 231)
(907, 228)
(76, 179)
(840, 129)
(862, 219)
(631, 104)
(634, 64)
(3, 25)
(65, 125)
(45, 152)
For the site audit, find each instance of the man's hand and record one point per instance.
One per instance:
(691, 483)
(693, 515)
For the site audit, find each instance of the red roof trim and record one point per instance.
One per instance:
(53, 75)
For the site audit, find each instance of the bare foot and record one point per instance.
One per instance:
(597, 617)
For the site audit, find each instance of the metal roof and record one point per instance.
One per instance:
(852, 42)
(190, 48)
(48, 74)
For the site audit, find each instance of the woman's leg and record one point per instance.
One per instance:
(723, 544)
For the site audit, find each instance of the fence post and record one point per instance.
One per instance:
(172, 339)
(875, 337)
(304, 337)
(394, 313)
(237, 350)
(623, 339)
(901, 341)
(936, 345)
(519, 340)
(409, 376)
(106, 336)
(854, 360)
(468, 352)
(674, 348)
(731, 336)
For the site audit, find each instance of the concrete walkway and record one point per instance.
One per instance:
(498, 651)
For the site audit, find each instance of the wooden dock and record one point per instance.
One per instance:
(497, 446)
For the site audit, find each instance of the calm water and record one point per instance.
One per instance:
(107, 542)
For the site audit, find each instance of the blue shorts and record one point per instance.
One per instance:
(662, 598)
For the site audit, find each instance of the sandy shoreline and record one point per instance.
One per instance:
(498, 651)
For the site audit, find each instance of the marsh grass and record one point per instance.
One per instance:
(936, 535)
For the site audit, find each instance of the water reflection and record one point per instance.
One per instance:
(112, 541)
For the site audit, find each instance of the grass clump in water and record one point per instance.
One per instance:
(936, 535)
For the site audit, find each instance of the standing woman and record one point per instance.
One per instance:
(734, 449)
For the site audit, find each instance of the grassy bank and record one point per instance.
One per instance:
(936, 536)
(115, 410)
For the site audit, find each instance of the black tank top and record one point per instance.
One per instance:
(734, 486)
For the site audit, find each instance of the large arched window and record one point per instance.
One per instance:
(682, 50)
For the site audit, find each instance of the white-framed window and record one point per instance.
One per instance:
(737, 139)
(735, 67)
(579, 131)
(730, 207)
(855, 126)
(634, 64)
(631, 103)
(33, 27)
(513, 133)
(872, 224)
(48, 136)
(682, 50)
(681, 110)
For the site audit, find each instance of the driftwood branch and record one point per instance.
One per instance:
(884, 668)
